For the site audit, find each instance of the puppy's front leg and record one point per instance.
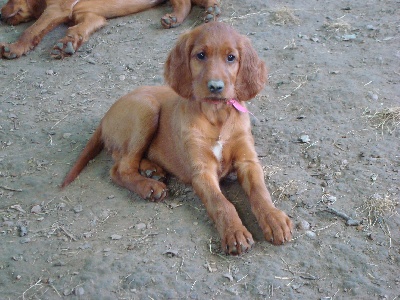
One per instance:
(276, 225)
(235, 238)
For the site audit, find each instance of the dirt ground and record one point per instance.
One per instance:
(326, 132)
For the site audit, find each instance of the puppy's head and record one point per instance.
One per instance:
(215, 63)
(19, 11)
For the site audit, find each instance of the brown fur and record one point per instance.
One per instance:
(175, 128)
(87, 16)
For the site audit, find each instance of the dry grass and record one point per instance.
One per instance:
(285, 190)
(339, 26)
(378, 207)
(386, 119)
(283, 16)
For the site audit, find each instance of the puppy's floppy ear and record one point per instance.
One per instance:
(252, 74)
(177, 67)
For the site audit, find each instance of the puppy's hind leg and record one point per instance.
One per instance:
(136, 119)
(86, 24)
(126, 173)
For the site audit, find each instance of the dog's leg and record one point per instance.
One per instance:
(128, 129)
(87, 23)
(275, 223)
(235, 238)
(125, 172)
(31, 37)
(181, 9)
(212, 7)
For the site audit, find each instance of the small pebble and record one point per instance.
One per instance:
(67, 135)
(116, 237)
(303, 225)
(79, 291)
(49, 72)
(23, 231)
(352, 222)
(311, 234)
(331, 199)
(36, 209)
(78, 208)
(373, 96)
(140, 226)
(91, 61)
(348, 37)
(304, 138)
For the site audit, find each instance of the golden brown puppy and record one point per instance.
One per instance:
(86, 15)
(194, 129)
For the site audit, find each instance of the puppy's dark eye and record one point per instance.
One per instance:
(201, 55)
(231, 58)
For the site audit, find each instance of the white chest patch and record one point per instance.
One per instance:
(217, 150)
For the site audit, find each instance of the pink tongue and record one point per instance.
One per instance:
(238, 106)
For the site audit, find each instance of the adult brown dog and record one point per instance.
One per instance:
(195, 129)
(87, 16)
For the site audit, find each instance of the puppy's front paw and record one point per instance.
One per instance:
(277, 226)
(11, 51)
(237, 241)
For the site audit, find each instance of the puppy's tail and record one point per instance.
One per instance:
(91, 150)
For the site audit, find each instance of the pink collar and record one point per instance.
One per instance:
(238, 106)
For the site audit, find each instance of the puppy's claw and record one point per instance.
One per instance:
(250, 241)
(149, 173)
(69, 49)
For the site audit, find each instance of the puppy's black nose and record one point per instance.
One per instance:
(215, 86)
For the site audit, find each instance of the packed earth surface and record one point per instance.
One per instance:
(326, 130)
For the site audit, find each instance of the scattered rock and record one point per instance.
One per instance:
(348, 37)
(304, 138)
(303, 225)
(373, 96)
(23, 231)
(171, 253)
(78, 208)
(36, 209)
(79, 291)
(116, 237)
(140, 226)
(311, 234)
(229, 276)
(50, 72)
(67, 135)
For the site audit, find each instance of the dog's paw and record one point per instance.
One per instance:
(10, 51)
(212, 13)
(151, 170)
(276, 226)
(237, 241)
(151, 189)
(63, 49)
(169, 21)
